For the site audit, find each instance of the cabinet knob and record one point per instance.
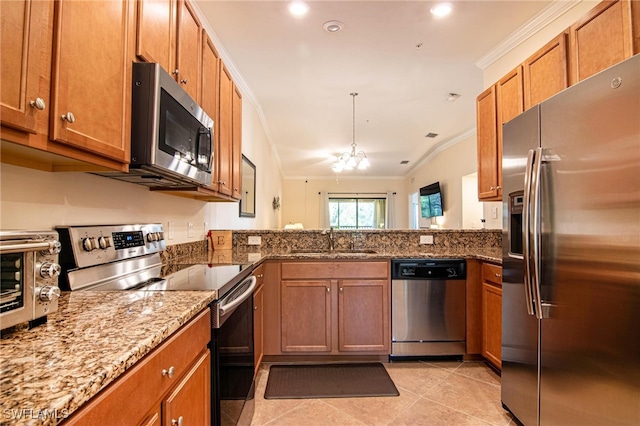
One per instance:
(177, 422)
(492, 188)
(255, 308)
(38, 104)
(260, 276)
(184, 81)
(176, 71)
(341, 289)
(328, 290)
(170, 372)
(69, 117)
(498, 275)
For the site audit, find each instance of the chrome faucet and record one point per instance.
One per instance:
(332, 244)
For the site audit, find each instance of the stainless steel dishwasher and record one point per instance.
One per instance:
(428, 307)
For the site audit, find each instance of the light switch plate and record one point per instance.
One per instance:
(254, 240)
(426, 239)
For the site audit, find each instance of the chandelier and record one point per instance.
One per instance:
(351, 160)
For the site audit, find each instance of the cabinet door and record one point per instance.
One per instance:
(602, 38)
(25, 68)
(492, 313)
(546, 72)
(190, 400)
(363, 315)
(209, 99)
(225, 135)
(306, 316)
(488, 162)
(91, 76)
(236, 149)
(189, 50)
(156, 32)
(258, 313)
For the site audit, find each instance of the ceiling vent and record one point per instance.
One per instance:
(430, 135)
(404, 162)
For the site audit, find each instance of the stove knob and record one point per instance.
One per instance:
(160, 236)
(104, 242)
(89, 244)
(54, 248)
(49, 293)
(49, 270)
(151, 237)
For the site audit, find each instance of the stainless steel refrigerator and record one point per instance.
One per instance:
(571, 255)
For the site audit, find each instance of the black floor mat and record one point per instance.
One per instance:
(329, 381)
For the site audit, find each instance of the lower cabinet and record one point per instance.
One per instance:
(258, 318)
(171, 383)
(335, 308)
(492, 313)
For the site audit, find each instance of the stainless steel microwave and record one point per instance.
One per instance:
(171, 136)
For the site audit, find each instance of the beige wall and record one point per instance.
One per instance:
(448, 167)
(301, 201)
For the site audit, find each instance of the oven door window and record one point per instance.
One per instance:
(182, 135)
(12, 295)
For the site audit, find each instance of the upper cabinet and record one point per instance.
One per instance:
(236, 144)
(606, 35)
(489, 158)
(187, 70)
(170, 33)
(91, 79)
(225, 132)
(26, 64)
(546, 72)
(602, 38)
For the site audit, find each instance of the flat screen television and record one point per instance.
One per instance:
(431, 200)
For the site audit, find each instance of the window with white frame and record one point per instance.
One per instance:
(357, 212)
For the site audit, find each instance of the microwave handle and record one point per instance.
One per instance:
(205, 131)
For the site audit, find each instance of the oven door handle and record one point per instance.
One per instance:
(30, 246)
(238, 300)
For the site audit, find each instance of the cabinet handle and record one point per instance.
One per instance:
(183, 81)
(69, 117)
(498, 275)
(170, 372)
(328, 290)
(38, 104)
(177, 422)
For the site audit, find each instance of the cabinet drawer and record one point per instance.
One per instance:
(132, 396)
(492, 273)
(323, 270)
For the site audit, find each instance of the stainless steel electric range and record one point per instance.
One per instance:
(127, 257)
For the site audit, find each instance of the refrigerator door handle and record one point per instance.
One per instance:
(535, 231)
(526, 246)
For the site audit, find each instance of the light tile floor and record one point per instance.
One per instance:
(431, 393)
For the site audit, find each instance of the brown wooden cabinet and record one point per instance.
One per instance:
(601, 38)
(156, 32)
(258, 317)
(492, 313)
(171, 381)
(189, 49)
(26, 34)
(546, 72)
(225, 133)
(91, 77)
(332, 308)
(363, 315)
(489, 164)
(236, 144)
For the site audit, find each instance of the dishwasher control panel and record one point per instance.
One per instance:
(429, 269)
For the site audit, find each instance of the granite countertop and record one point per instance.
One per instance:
(47, 372)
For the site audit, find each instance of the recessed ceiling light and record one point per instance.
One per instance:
(298, 8)
(452, 97)
(333, 26)
(441, 10)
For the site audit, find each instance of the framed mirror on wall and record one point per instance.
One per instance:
(248, 200)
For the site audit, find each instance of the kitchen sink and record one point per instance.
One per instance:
(325, 252)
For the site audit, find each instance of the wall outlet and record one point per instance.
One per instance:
(254, 240)
(494, 213)
(190, 232)
(169, 230)
(254, 257)
(426, 239)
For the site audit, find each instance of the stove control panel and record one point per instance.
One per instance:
(84, 246)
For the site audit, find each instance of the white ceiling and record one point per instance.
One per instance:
(400, 60)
